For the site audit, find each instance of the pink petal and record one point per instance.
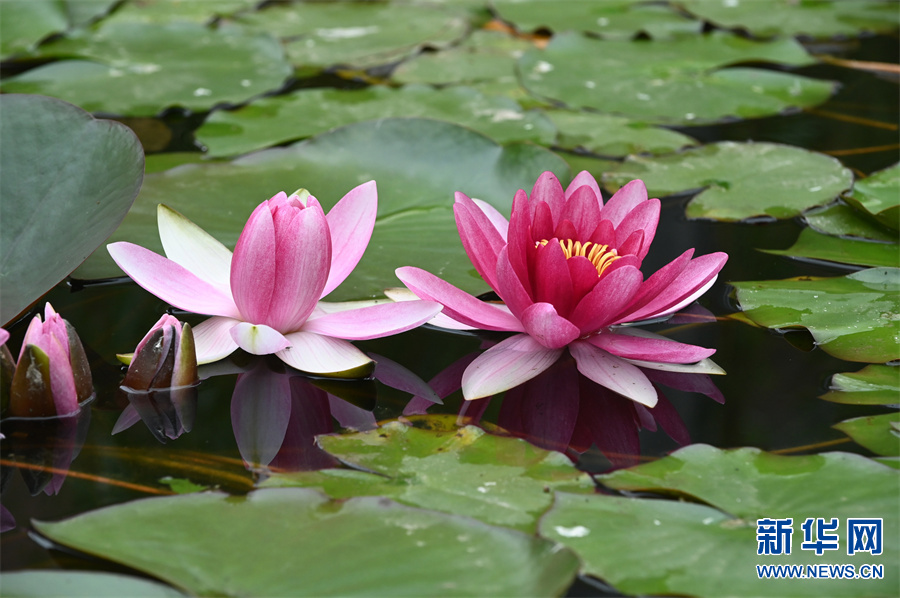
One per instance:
(350, 221)
(614, 373)
(62, 380)
(698, 275)
(542, 226)
(317, 354)
(505, 365)
(649, 349)
(687, 300)
(260, 412)
(4, 336)
(550, 277)
(190, 246)
(458, 304)
(519, 239)
(659, 280)
(548, 190)
(479, 237)
(170, 282)
(253, 266)
(609, 296)
(585, 179)
(584, 277)
(374, 321)
(604, 234)
(510, 288)
(631, 245)
(549, 328)
(644, 217)
(583, 210)
(501, 224)
(212, 339)
(258, 339)
(623, 201)
(391, 373)
(350, 416)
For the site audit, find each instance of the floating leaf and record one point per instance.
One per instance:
(679, 81)
(616, 19)
(52, 223)
(417, 163)
(140, 68)
(501, 481)
(854, 317)
(82, 584)
(880, 196)
(23, 24)
(872, 385)
(182, 485)
(303, 542)
(613, 135)
(841, 219)
(740, 180)
(878, 433)
(691, 546)
(817, 246)
(790, 18)
(270, 121)
(167, 11)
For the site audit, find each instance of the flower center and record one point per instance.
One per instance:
(599, 255)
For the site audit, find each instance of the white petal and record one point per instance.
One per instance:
(706, 366)
(212, 339)
(258, 339)
(317, 354)
(190, 246)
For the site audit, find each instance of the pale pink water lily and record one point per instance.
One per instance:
(567, 267)
(165, 357)
(265, 297)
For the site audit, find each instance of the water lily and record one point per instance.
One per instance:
(265, 297)
(51, 376)
(165, 357)
(567, 267)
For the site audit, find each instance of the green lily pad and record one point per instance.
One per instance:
(690, 547)
(740, 180)
(81, 584)
(167, 11)
(880, 196)
(872, 385)
(878, 433)
(417, 163)
(684, 80)
(359, 34)
(609, 135)
(302, 542)
(616, 19)
(841, 219)
(854, 317)
(137, 68)
(24, 24)
(817, 246)
(790, 18)
(501, 481)
(52, 223)
(270, 121)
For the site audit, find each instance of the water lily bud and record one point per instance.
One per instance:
(52, 375)
(165, 358)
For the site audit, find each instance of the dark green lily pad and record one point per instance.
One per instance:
(666, 547)
(25, 23)
(790, 18)
(684, 80)
(611, 19)
(417, 163)
(52, 223)
(270, 121)
(878, 433)
(880, 196)
(134, 68)
(81, 584)
(303, 543)
(872, 385)
(854, 317)
(842, 220)
(501, 481)
(167, 11)
(359, 34)
(609, 135)
(817, 246)
(740, 180)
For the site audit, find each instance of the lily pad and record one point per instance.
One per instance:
(135, 68)
(880, 196)
(359, 34)
(790, 18)
(270, 121)
(609, 135)
(417, 163)
(67, 182)
(167, 11)
(878, 433)
(872, 385)
(841, 219)
(854, 317)
(740, 180)
(303, 542)
(611, 19)
(692, 546)
(686, 80)
(501, 481)
(82, 584)
(817, 246)
(24, 24)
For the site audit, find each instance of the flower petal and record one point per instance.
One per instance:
(510, 286)
(260, 413)
(585, 179)
(253, 264)
(548, 327)
(644, 217)
(705, 366)
(350, 222)
(505, 365)
(317, 354)
(212, 339)
(171, 282)
(550, 277)
(373, 321)
(614, 373)
(623, 201)
(649, 348)
(458, 304)
(391, 373)
(258, 339)
(690, 283)
(190, 246)
(582, 209)
(479, 237)
(501, 224)
(547, 189)
(350, 416)
(614, 291)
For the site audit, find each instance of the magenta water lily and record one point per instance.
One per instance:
(567, 267)
(265, 298)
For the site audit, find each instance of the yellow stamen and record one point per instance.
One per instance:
(599, 255)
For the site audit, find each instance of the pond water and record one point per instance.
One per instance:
(768, 399)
